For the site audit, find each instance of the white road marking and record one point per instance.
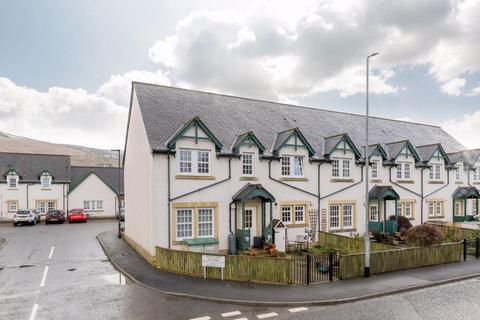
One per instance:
(44, 277)
(34, 312)
(231, 314)
(294, 310)
(51, 253)
(241, 319)
(267, 315)
(202, 318)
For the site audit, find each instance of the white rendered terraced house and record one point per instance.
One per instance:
(201, 166)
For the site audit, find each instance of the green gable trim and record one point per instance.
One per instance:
(412, 150)
(379, 151)
(297, 135)
(248, 138)
(442, 154)
(347, 141)
(197, 124)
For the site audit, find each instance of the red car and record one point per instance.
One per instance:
(77, 215)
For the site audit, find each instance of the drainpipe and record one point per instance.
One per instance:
(28, 185)
(343, 189)
(421, 204)
(434, 191)
(420, 195)
(168, 202)
(319, 194)
(286, 184)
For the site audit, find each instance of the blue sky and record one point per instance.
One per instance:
(66, 66)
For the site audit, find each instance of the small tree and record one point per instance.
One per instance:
(424, 235)
(403, 223)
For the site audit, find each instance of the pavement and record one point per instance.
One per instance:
(130, 263)
(3, 241)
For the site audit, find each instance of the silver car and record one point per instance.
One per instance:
(26, 216)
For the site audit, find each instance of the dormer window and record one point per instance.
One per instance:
(436, 172)
(404, 171)
(341, 168)
(193, 162)
(292, 166)
(46, 180)
(247, 164)
(12, 180)
(374, 165)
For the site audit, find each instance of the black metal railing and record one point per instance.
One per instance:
(471, 248)
(310, 269)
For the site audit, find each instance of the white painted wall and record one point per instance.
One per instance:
(92, 188)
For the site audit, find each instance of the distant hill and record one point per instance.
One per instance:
(81, 156)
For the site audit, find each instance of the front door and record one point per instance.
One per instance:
(250, 222)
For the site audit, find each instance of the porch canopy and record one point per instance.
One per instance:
(382, 194)
(462, 194)
(251, 192)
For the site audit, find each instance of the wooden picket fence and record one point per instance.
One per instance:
(348, 245)
(352, 265)
(238, 267)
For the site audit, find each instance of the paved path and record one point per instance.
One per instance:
(130, 262)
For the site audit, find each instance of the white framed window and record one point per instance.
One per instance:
(435, 209)
(476, 174)
(12, 205)
(458, 208)
(99, 204)
(13, 182)
(341, 168)
(41, 207)
(51, 205)
(373, 212)
(347, 216)
(195, 162)
(286, 214)
(399, 209)
(93, 204)
(436, 172)
(457, 173)
(247, 164)
(292, 166)
(205, 222)
(334, 216)
(248, 218)
(404, 171)
(299, 214)
(184, 224)
(86, 205)
(408, 209)
(474, 207)
(374, 165)
(46, 180)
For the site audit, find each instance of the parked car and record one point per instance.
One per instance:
(55, 216)
(77, 215)
(122, 214)
(26, 216)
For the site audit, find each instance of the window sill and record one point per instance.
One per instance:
(458, 182)
(247, 178)
(343, 230)
(12, 189)
(436, 182)
(341, 180)
(438, 217)
(476, 182)
(375, 181)
(46, 189)
(188, 177)
(293, 179)
(406, 181)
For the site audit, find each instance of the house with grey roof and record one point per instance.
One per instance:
(48, 182)
(188, 154)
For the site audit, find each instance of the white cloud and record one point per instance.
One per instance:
(474, 92)
(466, 129)
(321, 46)
(454, 86)
(65, 115)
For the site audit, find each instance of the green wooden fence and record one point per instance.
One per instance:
(351, 265)
(347, 244)
(239, 268)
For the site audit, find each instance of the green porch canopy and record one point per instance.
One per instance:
(383, 193)
(462, 194)
(252, 191)
(466, 193)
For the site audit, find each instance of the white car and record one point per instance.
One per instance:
(26, 216)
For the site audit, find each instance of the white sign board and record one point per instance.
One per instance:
(213, 261)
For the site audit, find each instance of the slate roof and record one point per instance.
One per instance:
(165, 109)
(466, 192)
(469, 157)
(382, 191)
(249, 190)
(426, 152)
(31, 166)
(109, 175)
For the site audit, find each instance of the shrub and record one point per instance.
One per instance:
(403, 224)
(424, 235)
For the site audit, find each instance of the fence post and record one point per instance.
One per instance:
(464, 249)
(330, 266)
(477, 245)
(309, 260)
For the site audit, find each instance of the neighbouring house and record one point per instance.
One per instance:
(47, 182)
(105, 182)
(201, 166)
(35, 181)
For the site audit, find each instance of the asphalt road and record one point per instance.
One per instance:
(74, 280)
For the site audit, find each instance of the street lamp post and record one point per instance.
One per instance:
(367, 164)
(118, 194)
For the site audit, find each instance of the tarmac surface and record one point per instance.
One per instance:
(80, 283)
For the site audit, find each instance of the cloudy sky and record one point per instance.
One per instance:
(66, 67)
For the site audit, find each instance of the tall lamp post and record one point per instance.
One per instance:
(367, 164)
(118, 194)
